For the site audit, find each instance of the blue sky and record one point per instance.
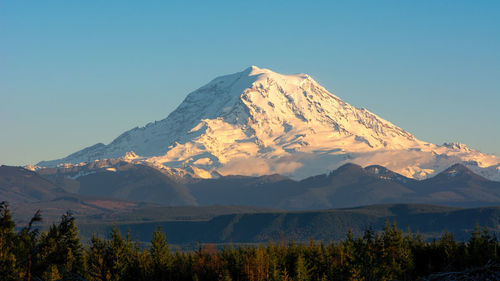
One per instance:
(74, 73)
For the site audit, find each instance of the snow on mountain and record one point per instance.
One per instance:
(258, 122)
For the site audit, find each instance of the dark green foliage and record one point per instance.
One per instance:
(60, 252)
(161, 260)
(390, 254)
(31, 255)
(7, 244)
(97, 268)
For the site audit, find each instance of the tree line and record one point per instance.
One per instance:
(390, 254)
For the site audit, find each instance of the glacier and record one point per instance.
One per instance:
(258, 122)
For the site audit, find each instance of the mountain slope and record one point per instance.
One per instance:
(348, 186)
(258, 122)
(121, 180)
(326, 225)
(26, 192)
(459, 184)
(18, 185)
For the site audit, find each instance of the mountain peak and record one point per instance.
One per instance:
(258, 122)
(458, 170)
(456, 146)
(255, 70)
(257, 75)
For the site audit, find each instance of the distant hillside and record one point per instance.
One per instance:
(428, 220)
(20, 185)
(159, 213)
(96, 205)
(137, 183)
(121, 180)
(349, 186)
(26, 192)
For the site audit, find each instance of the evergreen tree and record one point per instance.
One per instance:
(70, 248)
(8, 268)
(395, 254)
(56, 254)
(160, 255)
(96, 263)
(27, 249)
(301, 270)
(116, 255)
(481, 247)
(59, 251)
(447, 248)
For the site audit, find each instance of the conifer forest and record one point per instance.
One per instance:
(57, 253)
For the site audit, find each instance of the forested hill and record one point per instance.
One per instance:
(58, 254)
(326, 225)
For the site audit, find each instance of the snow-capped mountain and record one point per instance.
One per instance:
(258, 122)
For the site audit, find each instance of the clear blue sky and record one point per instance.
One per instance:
(74, 73)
